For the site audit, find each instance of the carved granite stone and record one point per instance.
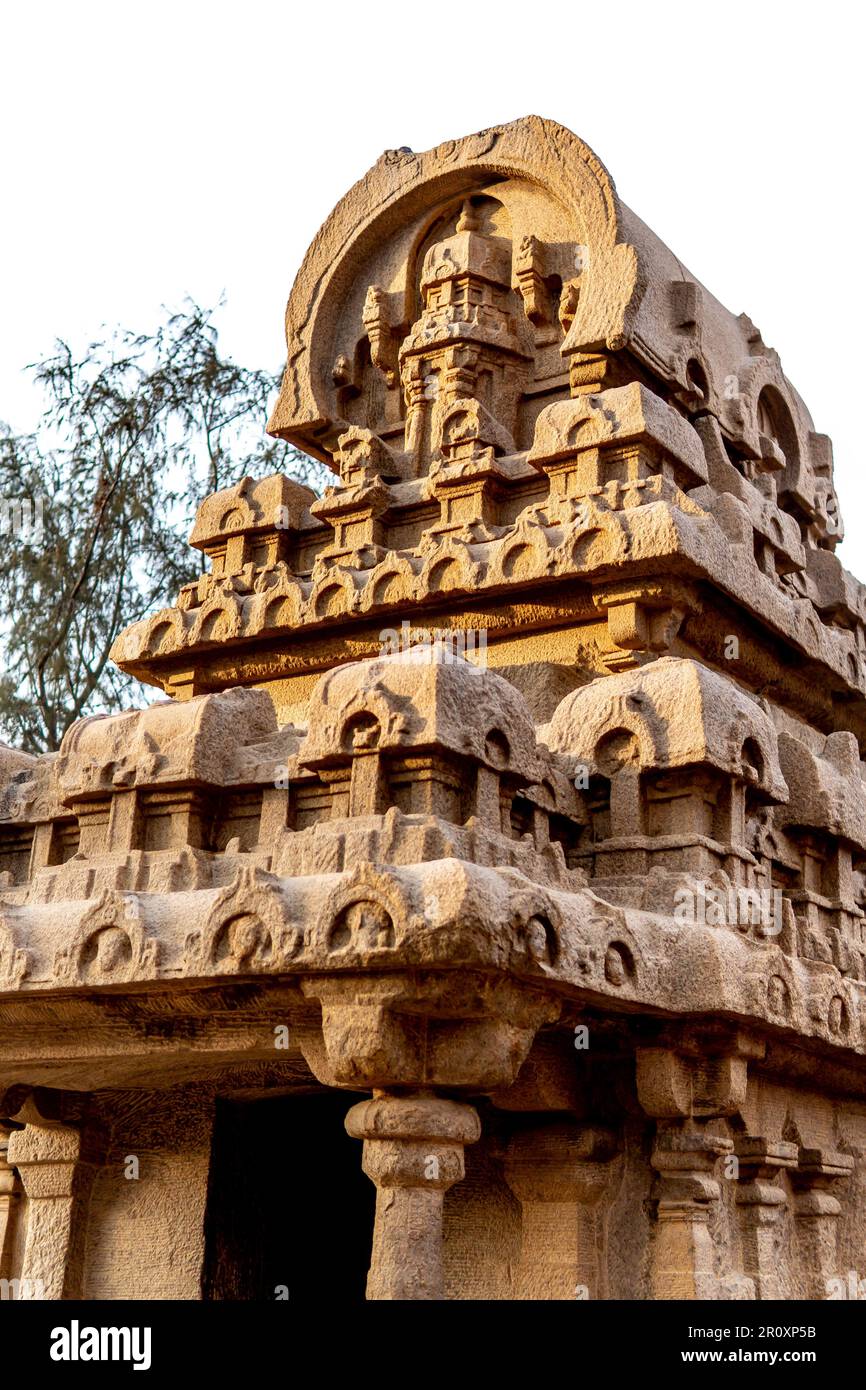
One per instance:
(511, 790)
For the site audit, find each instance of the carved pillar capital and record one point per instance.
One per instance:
(371, 1038)
(413, 1152)
(559, 1162)
(9, 1194)
(695, 1074)
(56, 1169)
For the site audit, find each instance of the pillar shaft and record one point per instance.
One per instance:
(761, 1203)
(413, 1152)
(819, 1174)
(682, 1259)
(406, 1258)
(817, 1217)
(57, 1185)
(9, 1200)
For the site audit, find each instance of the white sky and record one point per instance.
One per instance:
(157, 149)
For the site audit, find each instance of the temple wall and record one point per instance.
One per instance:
(603, 1249)
(628, 1223)
(481, 1229)
(145, 1235)
(531, 1220)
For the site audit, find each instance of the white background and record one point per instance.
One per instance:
(156, 149)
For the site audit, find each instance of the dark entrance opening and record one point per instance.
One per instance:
(289, 1210)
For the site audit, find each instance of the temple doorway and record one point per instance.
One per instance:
(289, 1210)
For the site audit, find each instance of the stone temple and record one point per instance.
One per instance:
(479, 911)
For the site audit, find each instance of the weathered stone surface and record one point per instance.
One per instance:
(515, 783)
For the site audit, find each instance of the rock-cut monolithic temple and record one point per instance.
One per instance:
(477, 912)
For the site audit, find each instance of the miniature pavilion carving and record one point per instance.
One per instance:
(542, 957)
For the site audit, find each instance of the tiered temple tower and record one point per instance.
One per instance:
(500, 828)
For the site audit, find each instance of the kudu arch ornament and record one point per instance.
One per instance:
(619, 792)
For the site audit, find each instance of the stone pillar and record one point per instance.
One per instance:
(488, 801)
(416, 407)
(687, 1193)
(125, 822)
(413, 1152)
(9, 1201)
(686, 1092)
(760, 1202)
(817, 1212)
(57, 1184)
(626, 803)
(558, 1173)
(366, 789)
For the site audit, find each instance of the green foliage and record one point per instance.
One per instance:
(135, 432)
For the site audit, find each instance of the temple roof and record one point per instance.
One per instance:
(679, 713)
(424, 697)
